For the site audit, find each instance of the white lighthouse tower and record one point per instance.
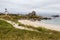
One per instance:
(6, 12)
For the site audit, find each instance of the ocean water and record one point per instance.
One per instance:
(54, 21)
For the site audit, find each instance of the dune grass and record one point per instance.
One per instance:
(8, 32)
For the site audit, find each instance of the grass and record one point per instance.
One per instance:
(8, 32)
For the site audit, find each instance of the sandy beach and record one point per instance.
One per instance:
(19, 27)
(40, 24)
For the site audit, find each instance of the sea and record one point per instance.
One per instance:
(54, 20)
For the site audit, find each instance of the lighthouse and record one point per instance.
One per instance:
(6, 12)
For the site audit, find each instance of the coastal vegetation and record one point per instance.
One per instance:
(30, 16)
(8, 32)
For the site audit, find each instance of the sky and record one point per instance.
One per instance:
(40, 6)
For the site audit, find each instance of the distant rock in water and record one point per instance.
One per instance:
(47, 18)
(55, 15)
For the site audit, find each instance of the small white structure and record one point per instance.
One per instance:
(6, 12)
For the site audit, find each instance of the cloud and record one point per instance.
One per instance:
(47, 6)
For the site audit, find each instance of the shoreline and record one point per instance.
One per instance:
(40, 24)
